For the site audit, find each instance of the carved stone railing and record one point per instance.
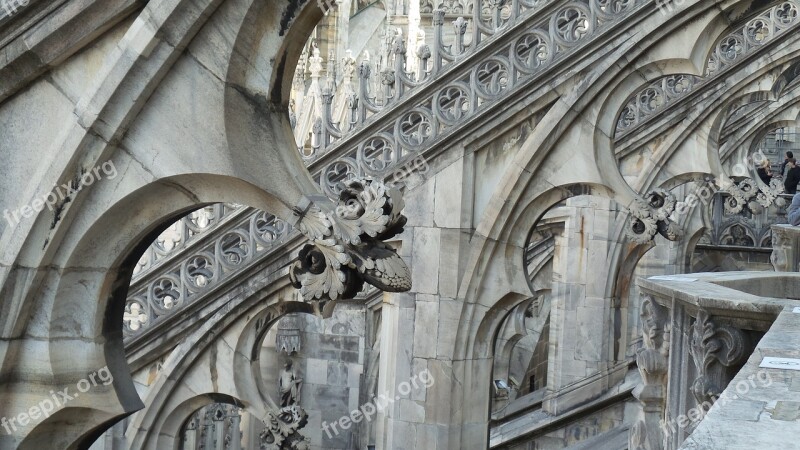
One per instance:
(699, 331)
(168, 279)
(460, 80)
(184, 233)
(198, 264)
(743, 228)
(774, 22)
(547, 31)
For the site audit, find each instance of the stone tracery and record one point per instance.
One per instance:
(463, 230)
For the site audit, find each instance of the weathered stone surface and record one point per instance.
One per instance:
(522, 157)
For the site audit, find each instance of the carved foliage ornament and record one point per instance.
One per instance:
(347, 245)
(749, 195)
(281, 430)
(651, 215)
(717, 350)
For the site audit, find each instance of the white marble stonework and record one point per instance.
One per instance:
(468, 225)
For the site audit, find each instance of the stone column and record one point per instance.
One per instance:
(581, 322)
(393, 427)
(419, 328)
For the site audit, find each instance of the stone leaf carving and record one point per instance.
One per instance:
(282, 427)
(749, 195)
(650, 215)
(717, 351)
(347, 247)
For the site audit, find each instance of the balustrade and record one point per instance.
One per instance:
(205, 260)
(743, 228)
(732, 48)
(699, 332)
(377, 132)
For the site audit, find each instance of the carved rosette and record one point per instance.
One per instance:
(717, 351)
(749, 195)
(653, 363)
(651, 215)
(347, 247)
(281, 431)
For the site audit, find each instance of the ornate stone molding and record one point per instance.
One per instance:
(651, 215)
(347, 247)
(646, 433)
(717, 351)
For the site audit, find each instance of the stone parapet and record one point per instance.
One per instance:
(705, 336)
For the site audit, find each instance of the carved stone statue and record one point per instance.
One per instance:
(289, 384)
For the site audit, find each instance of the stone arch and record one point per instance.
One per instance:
(175, 420)
(515, 324)
(623, 278)
(688, 249)
(249, 343)
(787, 78)
(716, 26)
(48, 431)
(780, 112)
(499, 233)
(485, 308)
(775, 108)
(705, 125)
(174, 385)
(660, 61)
(739, 234)
(725, 17)
(90, 282)
(85, 315)
(281, 37)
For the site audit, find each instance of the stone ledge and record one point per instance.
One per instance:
(759, 405)
(763, 412)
